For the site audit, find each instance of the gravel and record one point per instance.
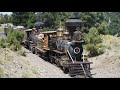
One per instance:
(105, 66)
(31, 66)
(47, 69)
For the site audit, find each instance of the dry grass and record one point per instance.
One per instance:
(111, 42)
(22, 53)
(26, 74)
(1, 61)
(6, 55)
(2, 27)
(1, 57)
(34, 70)
(118, 62)
(1, 72)
(9, 58)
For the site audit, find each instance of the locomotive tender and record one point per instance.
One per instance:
(62, 47)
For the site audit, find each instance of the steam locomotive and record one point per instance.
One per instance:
(62, 46)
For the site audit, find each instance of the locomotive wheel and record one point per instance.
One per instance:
(40, 54)
(30, 48)
(36, 52)
(58, 64)
(33, 50)
(51, 61)
(66, 70)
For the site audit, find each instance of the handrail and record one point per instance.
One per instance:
(83, 69)
(70, 56)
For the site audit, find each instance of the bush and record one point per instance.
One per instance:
(15, 34)
(16, 46)
(94, 50)
(14, 37)
(3, 43)
(93, 42)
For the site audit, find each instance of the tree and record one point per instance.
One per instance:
(93, 42)
(61, 16)
(20, 18)
(94, 19)
(31, 20)
(48, 19)
(26, 19)
(52, 19)
(5, 18)
(39, 16)
(113, 20)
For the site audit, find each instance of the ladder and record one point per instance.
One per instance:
(76, 69)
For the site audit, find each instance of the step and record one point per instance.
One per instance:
(77, 71)
(75, 74)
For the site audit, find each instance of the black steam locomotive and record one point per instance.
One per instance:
(62, 47)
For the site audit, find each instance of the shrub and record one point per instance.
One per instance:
(93, 42)
(15, 34)
(15, 47)
(14, 37)
(3, 43)
(94, 50)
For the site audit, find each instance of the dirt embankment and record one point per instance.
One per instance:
(108, 64)
(13, 65)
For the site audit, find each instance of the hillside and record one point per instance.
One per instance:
(13, 65)
(108, 64)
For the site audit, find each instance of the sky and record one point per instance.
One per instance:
(6, 13)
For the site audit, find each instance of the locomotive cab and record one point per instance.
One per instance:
(26, 38)
(48, 35)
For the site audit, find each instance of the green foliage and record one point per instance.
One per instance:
(16, 45)
(14, 37)
(94, 50)
(93, 42)
(23, 18)
(3, 43)
(31, 20)
(39, 16)
(94, 19)
(5, 18)
(113, 20)
(52, 19)
(93, 36)
(61, 16)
